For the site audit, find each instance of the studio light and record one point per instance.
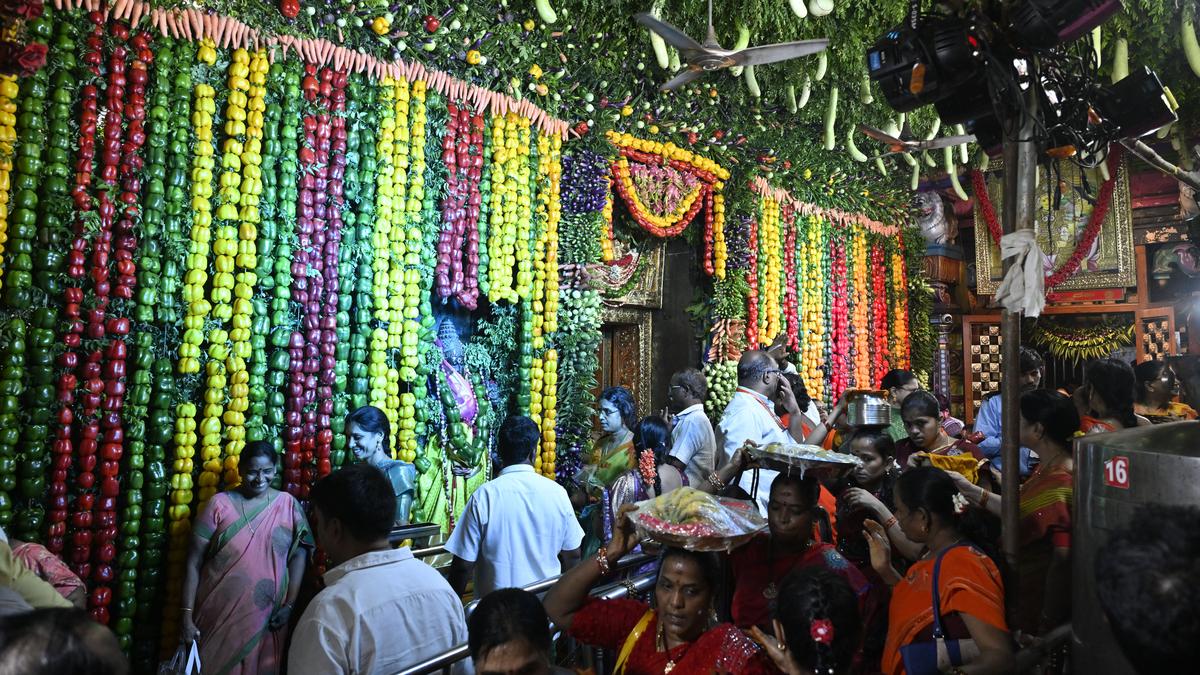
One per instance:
(1042, 24)
(916, 67)
(1137, 105)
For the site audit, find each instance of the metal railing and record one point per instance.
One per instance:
(443, 662)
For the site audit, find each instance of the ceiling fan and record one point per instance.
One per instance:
(710, 56)
(906, 143)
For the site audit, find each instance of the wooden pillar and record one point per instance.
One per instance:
(1020, 207)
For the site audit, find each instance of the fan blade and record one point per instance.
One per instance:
(674, 37)
(879, 135)
(757, 56)
(682, 79)
(945, 142)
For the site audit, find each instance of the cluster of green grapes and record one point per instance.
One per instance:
(722, 382)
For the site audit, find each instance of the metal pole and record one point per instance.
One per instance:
(1020, 205)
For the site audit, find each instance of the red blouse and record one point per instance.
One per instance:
(723, 649)
(754, 571)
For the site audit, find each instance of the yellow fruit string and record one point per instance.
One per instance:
(198, 308)
(8, 136)
(771, 260)
(720, 250)
(246, 260)
(381, 238)
(410, 352)
(900, 346)
(861, 303)
(812, 330)
(606, 237)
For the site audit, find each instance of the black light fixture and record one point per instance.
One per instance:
(926, 64)
(1137, 105)
(1042, 24)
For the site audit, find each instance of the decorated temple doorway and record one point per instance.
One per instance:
(625, 358)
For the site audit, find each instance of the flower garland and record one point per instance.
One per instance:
(706, 194)
(1090, 232)
(1082, 343)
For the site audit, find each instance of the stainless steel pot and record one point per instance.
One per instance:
(868, 409)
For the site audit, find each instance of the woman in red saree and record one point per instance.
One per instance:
(929, 509)
(678, 634)
(1049, 423)
(249, 549)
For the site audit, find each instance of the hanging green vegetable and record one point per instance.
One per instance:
(1187, 36)
(831, 119)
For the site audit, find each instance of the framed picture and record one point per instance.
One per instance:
(1110, 261)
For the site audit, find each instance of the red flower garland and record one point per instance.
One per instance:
(1095, 221)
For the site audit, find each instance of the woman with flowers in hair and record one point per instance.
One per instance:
(969, 591)
(654, 475)
(817, 624)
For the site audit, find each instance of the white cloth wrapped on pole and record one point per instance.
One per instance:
(1023, 286)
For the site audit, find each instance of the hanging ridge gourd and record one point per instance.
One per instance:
(656, 42)
(963, 155)
(916, 177)
(864, 92)
(855, 154)
(1120, 67)
(822, 66)
(790, 96)
(1187, 36)
(743, 41)
(545, 11)
(952, 170)
(752, 83)
(805, 92)
(831, 118)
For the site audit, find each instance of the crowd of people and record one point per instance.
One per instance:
(892, 568)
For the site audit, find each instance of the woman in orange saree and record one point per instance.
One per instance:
(930, 511)
(249, 549)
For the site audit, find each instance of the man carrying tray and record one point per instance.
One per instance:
(750, 416)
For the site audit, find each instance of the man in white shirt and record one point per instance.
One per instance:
(518, 528)
(693, 443)
(381, 610)
(750, 416)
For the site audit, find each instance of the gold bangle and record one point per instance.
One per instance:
(602, 560)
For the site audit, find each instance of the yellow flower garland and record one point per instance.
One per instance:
(661, 222)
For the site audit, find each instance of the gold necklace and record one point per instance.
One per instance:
(242, 508)
(661, 645)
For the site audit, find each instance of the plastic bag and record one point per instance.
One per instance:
(691, 519)
(186, 661)
(789, 458)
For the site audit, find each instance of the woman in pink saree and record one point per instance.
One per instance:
(247, 557)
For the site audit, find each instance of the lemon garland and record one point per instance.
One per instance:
(406, 448)
(812, 313)
(8, 136)
(720, 250)
(861, 304)
(606, 237)
(668, 151)
(253, 79)
(380, 372)
(524, 207)
(770, 247)
(550, 307)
